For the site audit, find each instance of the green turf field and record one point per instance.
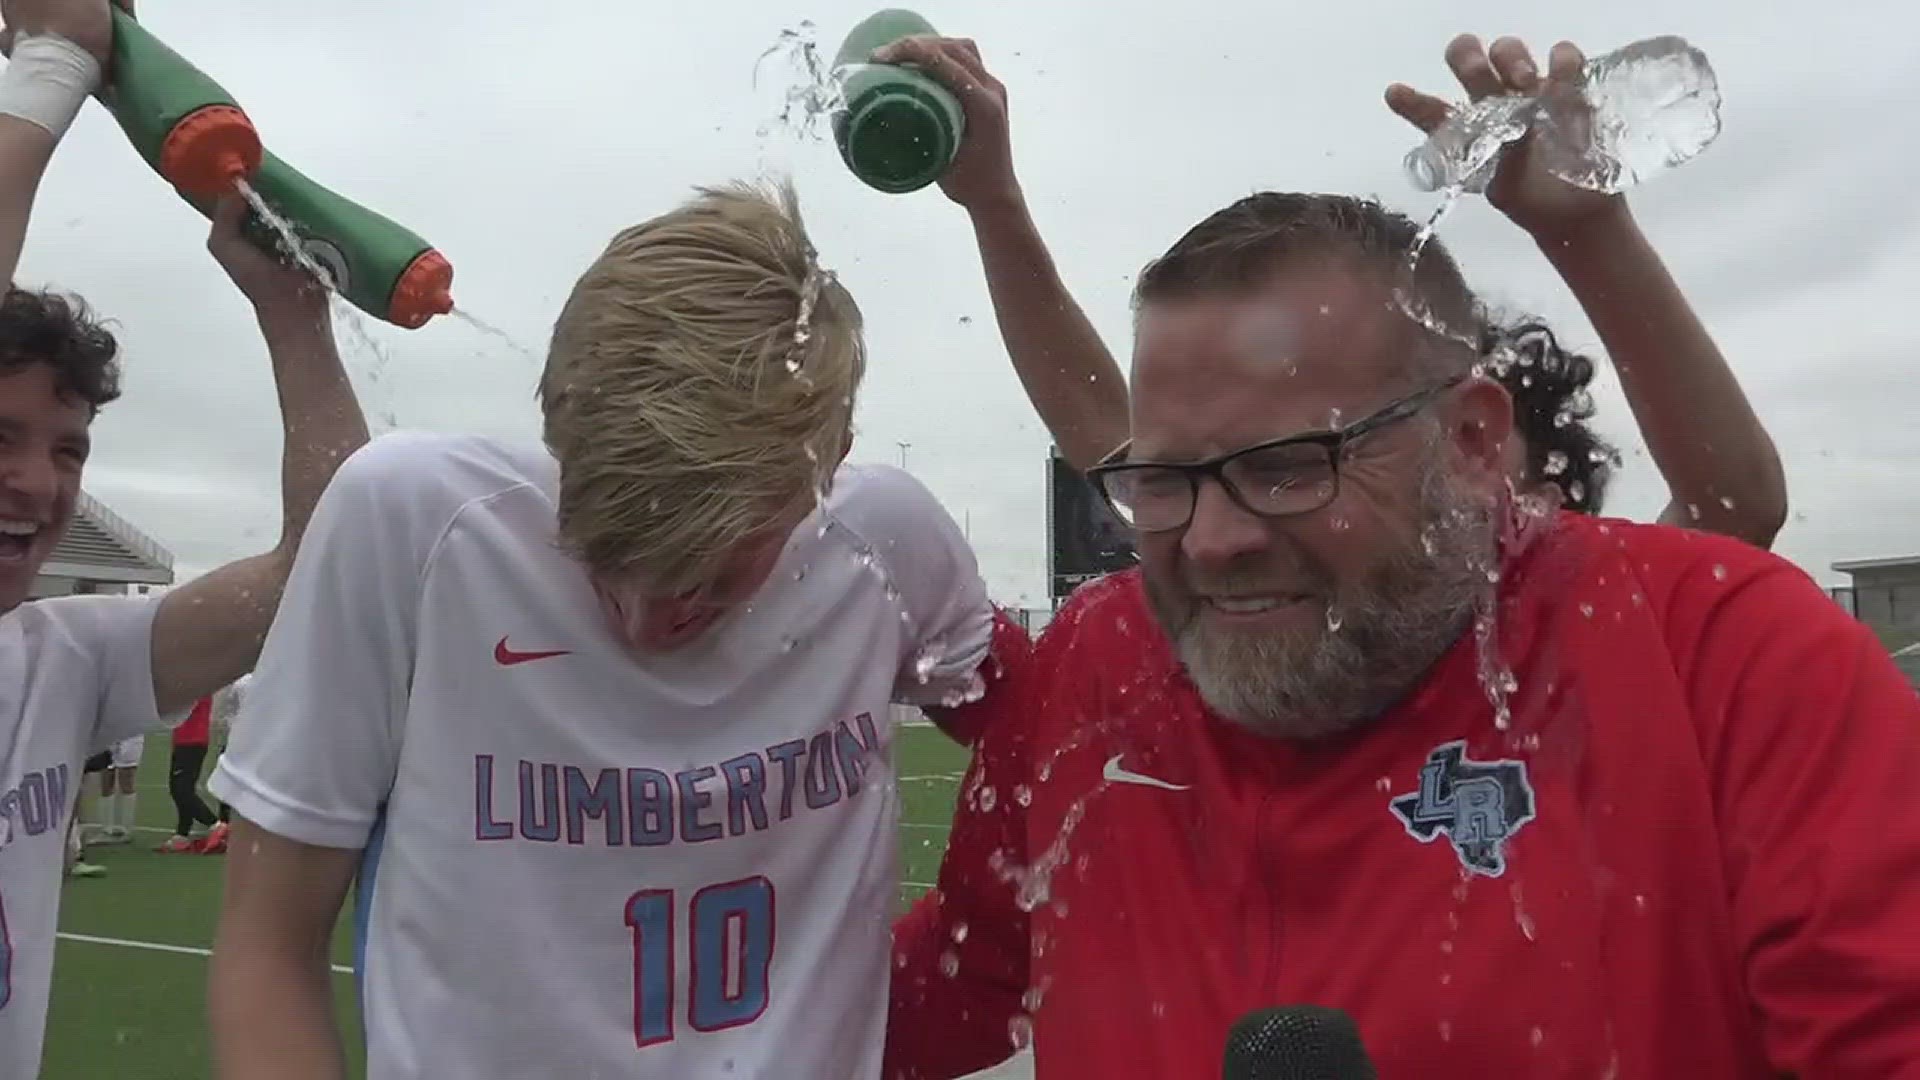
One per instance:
(130, 976)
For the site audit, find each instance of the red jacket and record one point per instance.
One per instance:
(197, 728)
(1695, 851)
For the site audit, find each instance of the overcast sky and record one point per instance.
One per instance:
(518, 145)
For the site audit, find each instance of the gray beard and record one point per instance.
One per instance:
(1377, 643)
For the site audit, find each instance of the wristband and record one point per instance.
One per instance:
(47, 81)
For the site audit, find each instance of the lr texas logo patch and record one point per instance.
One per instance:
(1480, 805)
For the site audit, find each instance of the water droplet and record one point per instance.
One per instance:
(1159, 1010)
(1023, 794)
(986, 799)
(1385, 783)
(1726, 502)
(1334, 618)
(959, 933)
(1447, 947)
(787, 644)
(1587, 610)
(949, 963)
(1341, 524)
(1693, 511)
(1719, 573)
(1446, 1031)
(1640, 902)
(1030, 1001)
(924, 664)
(1556, 463)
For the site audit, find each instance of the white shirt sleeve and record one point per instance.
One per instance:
(950, 620)
(313, 754)
(115, 633)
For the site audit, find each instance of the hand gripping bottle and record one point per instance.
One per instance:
(192, 133)
(900, 128)
(186, 126)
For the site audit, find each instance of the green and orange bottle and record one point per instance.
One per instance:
(900, 128)
(193, 133)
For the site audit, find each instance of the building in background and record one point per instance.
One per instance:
(1885, 594)
(103, 553)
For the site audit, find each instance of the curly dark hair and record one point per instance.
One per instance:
(45, 327)
(1551, 408)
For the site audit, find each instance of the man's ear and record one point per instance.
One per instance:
(1480, 426)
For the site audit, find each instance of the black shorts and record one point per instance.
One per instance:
(99, 762)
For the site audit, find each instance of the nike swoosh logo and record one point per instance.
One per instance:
(507, 657)
(1118, 775)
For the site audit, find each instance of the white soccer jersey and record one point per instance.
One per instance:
(578, 864)
(76, 676)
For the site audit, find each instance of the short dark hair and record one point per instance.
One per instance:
(1552, 405)
(46, 327)
(1242, 246)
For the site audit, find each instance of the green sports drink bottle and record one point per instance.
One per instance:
(193, 133)
(373, 262)
(182, 122)
(900, 128)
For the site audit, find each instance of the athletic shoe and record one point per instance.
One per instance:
(83, 869)
(216, 840)
(176, 845)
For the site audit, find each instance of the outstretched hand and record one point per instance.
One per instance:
(269, 281)
(1522, 187)
(981, 176)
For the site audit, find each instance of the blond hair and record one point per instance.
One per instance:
(699, 387)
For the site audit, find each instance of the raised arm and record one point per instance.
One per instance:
(58, 51)
(1721, 468)
(1067, 371)
(209, 631)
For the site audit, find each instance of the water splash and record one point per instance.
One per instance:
(1033, 883)
(493, 331)
(290, 243)
(373, 357)
(1449, 198)
(811, 90)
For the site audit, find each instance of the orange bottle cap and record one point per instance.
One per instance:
(210, 149)
(423, 291)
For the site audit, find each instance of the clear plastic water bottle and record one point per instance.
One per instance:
(1640, 110)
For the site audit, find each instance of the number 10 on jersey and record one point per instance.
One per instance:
(729, 956)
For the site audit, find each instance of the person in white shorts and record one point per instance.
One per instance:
(81, 673)
(118, 793)
(599, 729)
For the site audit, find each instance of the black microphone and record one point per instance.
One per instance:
(1297, 1042)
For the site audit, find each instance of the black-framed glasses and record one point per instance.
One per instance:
(1295, 475)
